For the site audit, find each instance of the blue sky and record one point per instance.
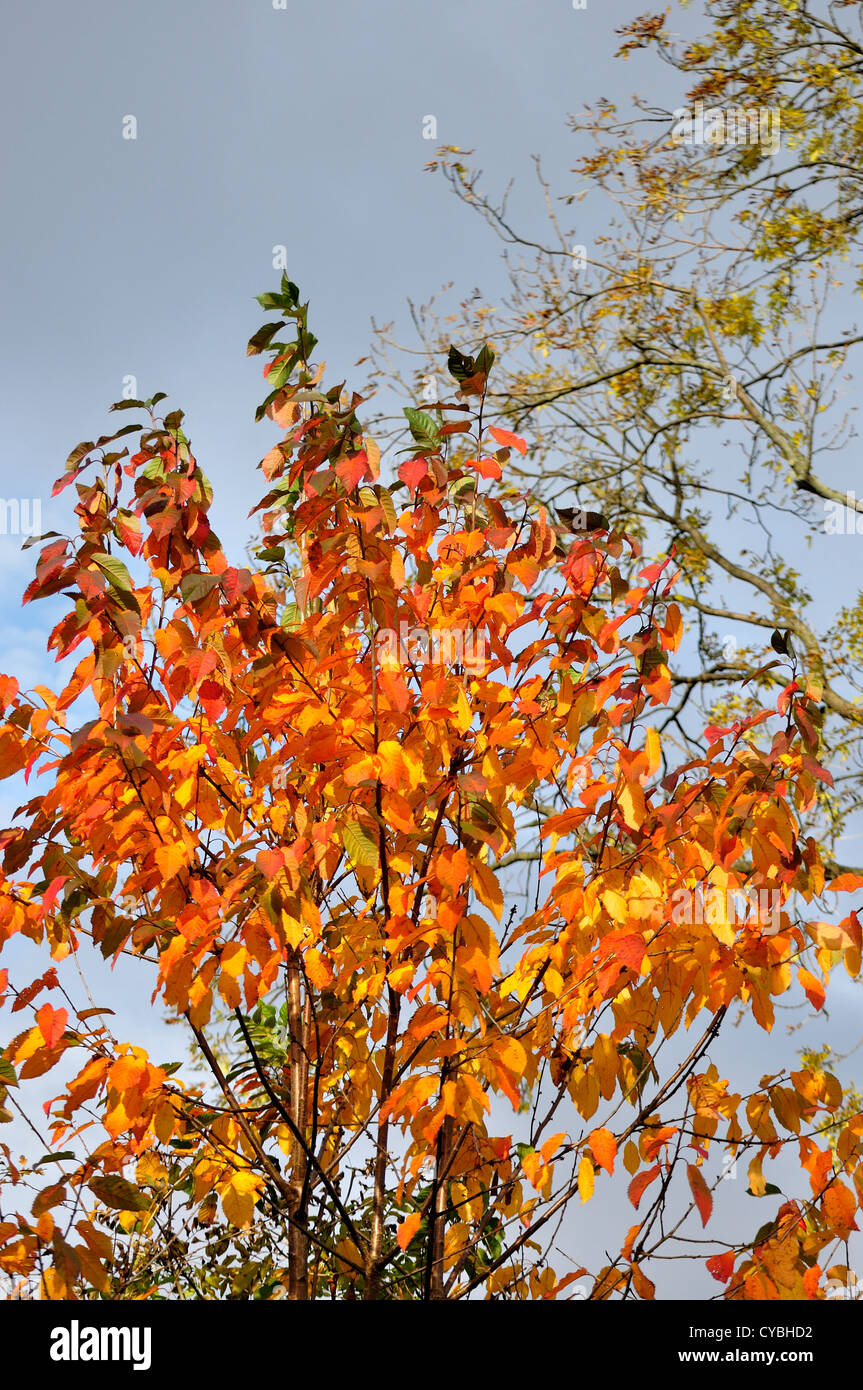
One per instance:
(256, 128)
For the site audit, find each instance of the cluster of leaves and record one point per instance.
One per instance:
(701, 299)
(284, 822)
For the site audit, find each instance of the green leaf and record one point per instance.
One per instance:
(769, 1191)
(781, 643)
(116, 571)
(173, 419)
(34, 540)
(197, 586)
(155, 470)
(79, 452)
(263, 337)
(7, 1073)
(359, 844)
(116, 1192)
(423, 428)
(484, 360)
(459, 366)
(129, 405)
(55, 1158)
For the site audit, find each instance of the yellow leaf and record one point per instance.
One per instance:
(631, 803)
(171, 858)
(239, 1195)
(586, 1178)
(487, 888)
(651, 748)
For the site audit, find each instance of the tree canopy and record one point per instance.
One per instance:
(297, 795)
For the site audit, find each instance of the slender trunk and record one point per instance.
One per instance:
(298, 1241)
(437, 1223)
(377, 1234)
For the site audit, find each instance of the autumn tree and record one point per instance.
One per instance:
(294, 796)
(680, 347)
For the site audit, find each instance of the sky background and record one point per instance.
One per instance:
(260, 127)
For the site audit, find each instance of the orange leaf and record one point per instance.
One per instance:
(845, 883)
(700, 1192)
(639, 1183)
(52, 1024)
(815, 991)
(603, 1146)
(839, 1208)
(408, 1229)
(507, 439)
(643, 1286)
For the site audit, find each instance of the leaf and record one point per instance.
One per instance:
(644, 1287)
(413, 471)
(700, 1192)
(459, 366)
(721, 1267)
(507, 439)
(603, 1146)
(239, 1197)
(263, 337)
(780, 642)
(839, 1208)
(845, 883)
(360, 845)
(116, 1192)
(423, 428)
(52, 1024)
(407, 1229)
(195, 587)
(586, 1179)
(116, 571)
(814, 989)
(636, 1188)
(79, 452)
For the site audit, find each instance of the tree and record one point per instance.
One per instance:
(711, 307)
(295, 797)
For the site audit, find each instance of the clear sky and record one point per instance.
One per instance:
(259, 127)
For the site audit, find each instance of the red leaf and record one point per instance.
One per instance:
(412, 472)
(49, 898)
(640, 1182)
(626, 947)
(721, 1266)
(47, 981)
(507, 439)
(700, 1192)
(52, 1023)
(352, 470)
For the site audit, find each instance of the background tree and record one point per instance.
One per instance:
(712, 303)
(282, 803)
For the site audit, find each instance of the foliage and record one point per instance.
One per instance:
(284, 820)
